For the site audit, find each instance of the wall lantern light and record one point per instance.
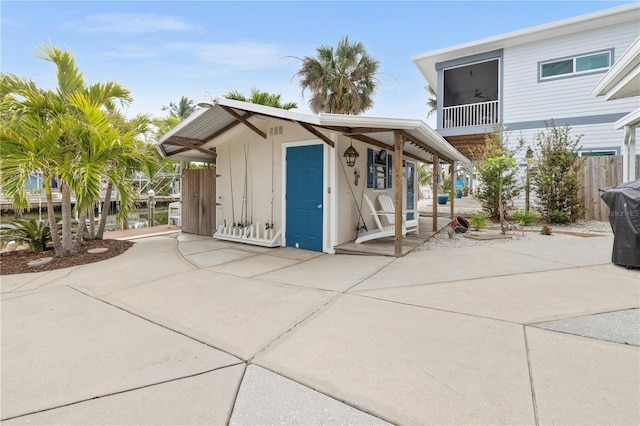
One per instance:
(529, 153)
(350, 154)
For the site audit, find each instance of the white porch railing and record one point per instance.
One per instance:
(477, 114)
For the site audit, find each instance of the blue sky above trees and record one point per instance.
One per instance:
(164, 50)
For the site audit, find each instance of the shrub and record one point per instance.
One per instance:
(36, 233)
(524, 218)
(546, 230)
(478, 221)
(555, 176)
(498, 171)
(558, 216)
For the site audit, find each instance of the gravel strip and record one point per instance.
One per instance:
(442, 239)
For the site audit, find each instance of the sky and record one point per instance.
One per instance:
(163, 50)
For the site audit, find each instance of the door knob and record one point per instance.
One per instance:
(319, 206)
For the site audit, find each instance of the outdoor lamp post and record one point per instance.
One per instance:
(350, 154)
(151, 203)
(527, 187)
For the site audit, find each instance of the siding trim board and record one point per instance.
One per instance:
(468, 60)
(568, 121)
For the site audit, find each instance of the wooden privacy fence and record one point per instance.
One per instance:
(596, 173)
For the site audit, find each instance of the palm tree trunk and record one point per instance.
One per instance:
(67, 240)
(51, 215)
(105, 211)
(92, 224)
(82, 227)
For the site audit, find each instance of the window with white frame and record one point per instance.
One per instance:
(379, 165)
(598, 153)
(576, 65)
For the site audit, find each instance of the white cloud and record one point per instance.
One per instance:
(240, 55)
(131, 23)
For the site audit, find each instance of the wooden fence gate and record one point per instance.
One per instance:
(199, 201)
(599, 172)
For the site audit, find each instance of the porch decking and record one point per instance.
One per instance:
(386, 246)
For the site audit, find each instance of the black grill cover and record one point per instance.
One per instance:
(624, 202)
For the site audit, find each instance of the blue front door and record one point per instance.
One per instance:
(304, 197)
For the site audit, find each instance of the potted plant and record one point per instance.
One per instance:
(443, 191)
(465, 191)
(459, 193)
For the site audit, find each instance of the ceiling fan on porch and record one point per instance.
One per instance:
(479, 94)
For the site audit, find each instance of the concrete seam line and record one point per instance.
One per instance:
(448, 311)
(537, 324)
(155, 323)
(370, 275)
(541, 258)
(533, 389)
(508, 274)
(345, 402)
(235, 398)
(293, 327)
(124, 391)
(72, 270)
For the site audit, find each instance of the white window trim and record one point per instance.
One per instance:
(574, 58)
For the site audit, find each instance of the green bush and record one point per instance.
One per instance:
(555, 176)
(524, 218)
(498, 170)
(559, 216)
(478, 221)
(36, 233)
(446, 186)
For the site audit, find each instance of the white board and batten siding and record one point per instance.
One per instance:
(526, 99)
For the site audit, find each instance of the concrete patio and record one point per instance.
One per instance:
(192, 330)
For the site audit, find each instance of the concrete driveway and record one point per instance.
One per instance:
(191, 330)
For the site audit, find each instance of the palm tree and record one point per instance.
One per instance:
(424, 176)
(127, 153)
(261, 98)
(30, 143)
(61, 129)
(432, 101)
(182, 109)
(341, 80)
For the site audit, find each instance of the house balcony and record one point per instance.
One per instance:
(469, 115)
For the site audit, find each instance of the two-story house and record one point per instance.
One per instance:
(527, 78)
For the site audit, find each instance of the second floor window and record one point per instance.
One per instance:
(575, 65)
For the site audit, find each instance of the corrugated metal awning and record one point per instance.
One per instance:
(196, 138)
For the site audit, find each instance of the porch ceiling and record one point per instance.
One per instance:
(468, 145)
(197, 138)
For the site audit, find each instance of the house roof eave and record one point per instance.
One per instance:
(622, 79)
(425, 62)
(632, 120)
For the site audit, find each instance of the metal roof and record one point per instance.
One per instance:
(196, 138)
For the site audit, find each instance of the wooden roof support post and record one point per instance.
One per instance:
(453, 188)
(434, 191)
(398, 143)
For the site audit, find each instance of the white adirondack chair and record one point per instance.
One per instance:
(381, 231)
(387, 205)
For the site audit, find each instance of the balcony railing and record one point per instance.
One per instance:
(477, 114)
